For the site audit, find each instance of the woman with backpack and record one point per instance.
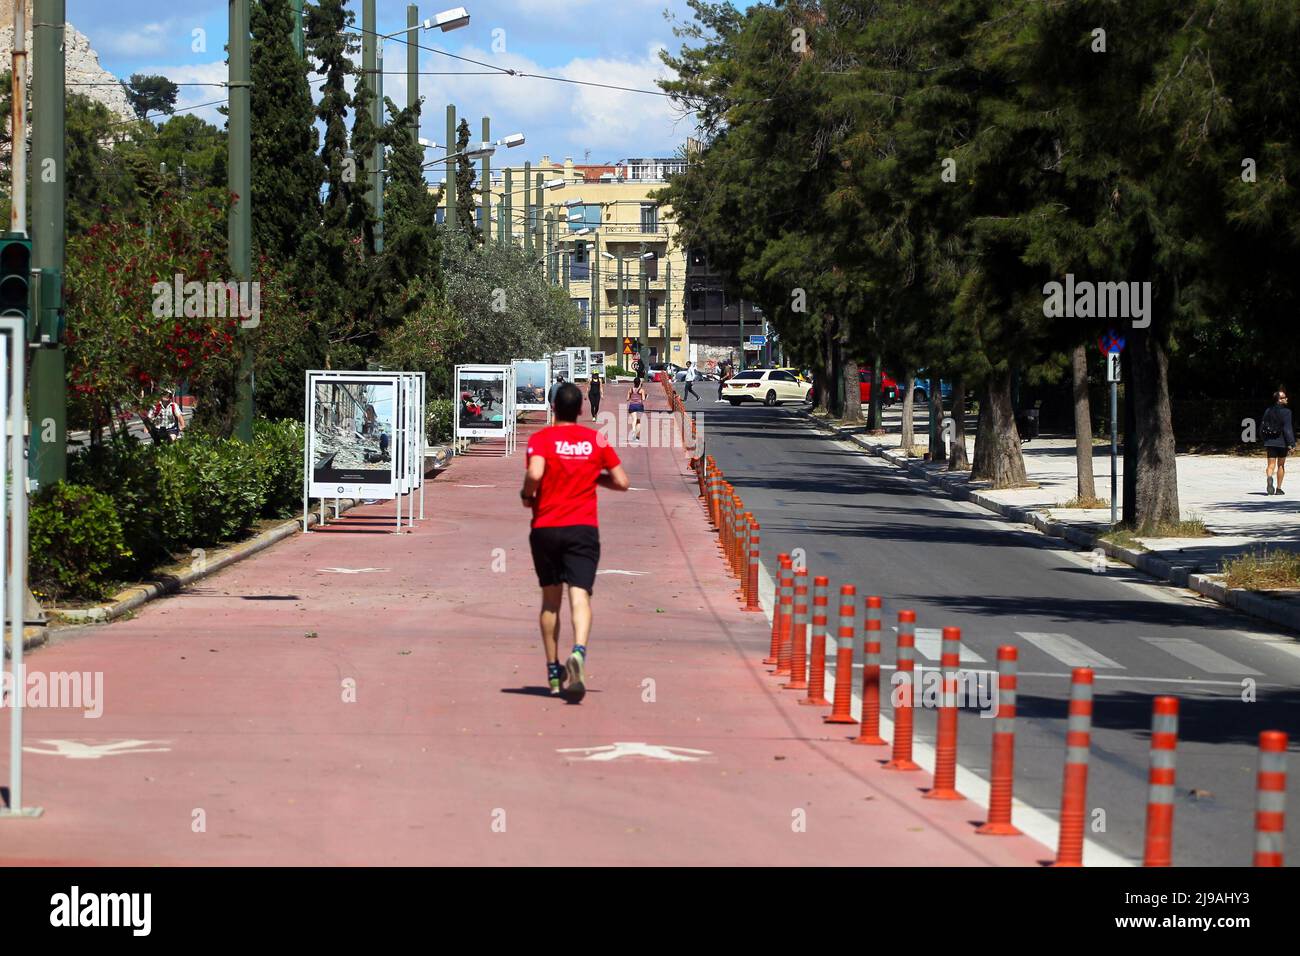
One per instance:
(1278, 436)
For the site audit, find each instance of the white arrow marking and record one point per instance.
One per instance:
(625, 748)
(617, 571)
(349, 570)
(75, 750)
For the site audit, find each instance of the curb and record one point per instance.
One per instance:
(1181, 575)
(133, 597)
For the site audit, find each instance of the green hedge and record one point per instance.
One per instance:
(437, 420)
(162, 500)
(75, 541)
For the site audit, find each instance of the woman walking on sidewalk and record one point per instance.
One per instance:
(1276, 430)
(566, 463)
(635, 408)
(593, 396)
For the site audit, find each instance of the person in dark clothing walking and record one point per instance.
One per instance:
(1278, 435)
(593, 396)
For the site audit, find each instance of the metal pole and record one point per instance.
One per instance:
(485, 183)
(17, 575)
(49, 399)
(18, 124)
(451, 166)
(296, 7)
(622, 304)
(643, 305)
(667, 322)
(740, 312)
(551, 257)
(412, 66)
(239, 184)
(528, 209)
(506, 225)
(1114, 451)
(377, 117)
(368, 57)
(593, 275)
(538, 202)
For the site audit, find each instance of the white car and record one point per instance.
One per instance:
(770, 386)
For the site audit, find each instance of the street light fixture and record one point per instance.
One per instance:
(449, 20)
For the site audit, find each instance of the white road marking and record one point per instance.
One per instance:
(929, 643)
(75, 750)
(476, 486)
(624, 748)
(1198, 655)
(349, 570)
(1034, 823)
(617, 571)
(1067, 650)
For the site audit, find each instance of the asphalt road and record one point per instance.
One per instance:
(861, 521)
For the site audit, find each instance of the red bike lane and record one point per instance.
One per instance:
(354, 696)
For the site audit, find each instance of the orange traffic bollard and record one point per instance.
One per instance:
(1160, 793)
(870, 733)
(945, 743)
(1002, 772)
(1270, 807)
(903, 695)
(787, 624)
(1074, 788)
(817, 662)
(842, 711)
(783, 566)
(799, 634)
(751, 578)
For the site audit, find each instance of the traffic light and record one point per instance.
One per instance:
(15, 279)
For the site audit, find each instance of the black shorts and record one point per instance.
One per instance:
(567, 555)
(1275, 452)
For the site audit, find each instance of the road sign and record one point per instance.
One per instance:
(1112, 367)
(758, 340)
(1110, 342)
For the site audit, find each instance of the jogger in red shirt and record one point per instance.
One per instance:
(565, 464)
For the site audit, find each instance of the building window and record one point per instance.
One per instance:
(654, 313)
(697, 300)
(590, 217)
(651, 267)
(649, 217)
(584, 310)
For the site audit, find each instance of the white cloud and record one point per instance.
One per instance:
(147, 39)
(190, 96)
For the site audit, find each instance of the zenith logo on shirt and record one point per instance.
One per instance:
(574, 449)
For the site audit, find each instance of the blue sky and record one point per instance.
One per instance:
(606, 42)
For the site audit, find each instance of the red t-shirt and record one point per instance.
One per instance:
(575, 456)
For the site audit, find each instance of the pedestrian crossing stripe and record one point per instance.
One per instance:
(1067, 650)
(929, 642)
(1200, 656)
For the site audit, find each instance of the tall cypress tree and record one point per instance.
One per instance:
(287, 173)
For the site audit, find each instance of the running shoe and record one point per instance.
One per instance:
(555, 678)
(575, 668)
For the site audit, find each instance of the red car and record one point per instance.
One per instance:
(888, 387)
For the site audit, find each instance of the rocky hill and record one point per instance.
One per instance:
(83, 67)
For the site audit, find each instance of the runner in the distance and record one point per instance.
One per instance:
(565, 464)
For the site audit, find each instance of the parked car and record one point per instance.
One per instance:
(768, 386)
(889, 389)
(654, 369)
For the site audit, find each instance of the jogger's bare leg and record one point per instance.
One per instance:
(580, 611)
(549, 619)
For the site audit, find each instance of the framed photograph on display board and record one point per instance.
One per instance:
(532, 380)
(598, 363)
(481, 401)
(580, 363)
(352, 424)
(560, 366)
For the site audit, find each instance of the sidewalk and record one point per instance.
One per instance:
(228, 704)
(1226, 492)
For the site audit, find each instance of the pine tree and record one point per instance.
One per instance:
(286, 171)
